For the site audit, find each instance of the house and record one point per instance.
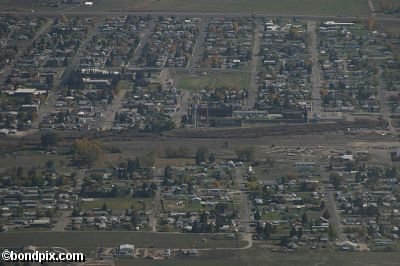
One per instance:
(305, 164)
(347, 246)
(126, 250)
(4, 132)
(45, 222)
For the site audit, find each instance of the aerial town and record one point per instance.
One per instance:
(146, 136)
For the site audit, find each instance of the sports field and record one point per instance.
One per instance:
(239, 80)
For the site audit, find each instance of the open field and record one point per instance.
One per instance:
(116, 203)
(307, 7)
(132, 146)
(90, 240)
(261, 256)
(212, 80)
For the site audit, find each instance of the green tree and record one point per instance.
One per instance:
(211, 158)
(246, 153)
(168, 172)
(284, 241)
(304, 219)
(326, 214)
(50, 167)
(49, 139)
(147, 161)
(87, 151)
(336, 180)
(293, 232)
(331, 233)
(201, 154)
(267, 230)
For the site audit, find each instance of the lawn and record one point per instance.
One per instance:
(272, 216)
(116, 203)
(212, 80)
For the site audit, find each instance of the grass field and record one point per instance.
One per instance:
(116, 203)
(309, 7)
(262, 256)
(212, 80)
(88, 241)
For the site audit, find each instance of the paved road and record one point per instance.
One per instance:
(316, 75)
(334, 215)
(112, 109)
(62, 221)
(253, 89)
(384, 103)
(156, 209)
(44, 29)
(199, 46)
(143, 39)
(8, 38)
(74, 63)
(63, 78)
(372, 8)
(181, 108)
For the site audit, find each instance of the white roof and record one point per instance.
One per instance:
(127, 246)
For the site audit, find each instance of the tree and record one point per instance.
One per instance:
(211, 158)
(86, 151)
(20, 171)
(293, 232)
(195, 227)
(131, 167)
(304, 219)
(204, 218)
(322, 205)
(326, 214)
(257, 215)
(50, 212)
(50, 166)
(284, 241)
(49, 139)
(267, 231)
(336, 180)
(245, 153)
(147, 161)
(300, 232)
(259, 228)
(331, 233)
(201, 154)
(104, 207)
(168, 172)
(372, 211)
